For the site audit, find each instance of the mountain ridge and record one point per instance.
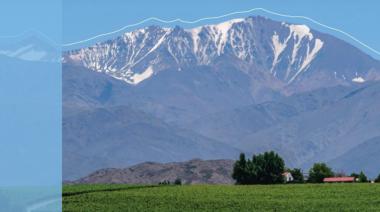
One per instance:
(288, 50)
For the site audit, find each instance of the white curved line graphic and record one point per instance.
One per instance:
(223, 16)
(32, 32)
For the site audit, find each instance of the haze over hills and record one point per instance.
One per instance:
(325, 133)
(101, 130)
(365, 156)
(254, 84)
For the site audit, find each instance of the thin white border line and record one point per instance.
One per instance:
(32, 32)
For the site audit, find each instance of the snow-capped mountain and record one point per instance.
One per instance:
(173, 94)
(282, 52)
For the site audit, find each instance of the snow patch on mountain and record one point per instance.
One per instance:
(159, 42)
(278, 48)
(300, 60)
(195, 36)
(358, 80)
(310, 55)
(219, 33)
(137, 78)
(300, 31)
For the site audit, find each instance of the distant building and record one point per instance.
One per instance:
(339, 180)
(288, 177)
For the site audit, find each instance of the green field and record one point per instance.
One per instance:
(304, 197)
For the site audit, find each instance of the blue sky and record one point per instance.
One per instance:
(17, 16)
(86, 18)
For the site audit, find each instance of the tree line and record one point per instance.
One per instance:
(269, 167)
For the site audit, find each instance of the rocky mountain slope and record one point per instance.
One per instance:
(190, 172)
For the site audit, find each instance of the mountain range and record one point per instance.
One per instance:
(244, 85)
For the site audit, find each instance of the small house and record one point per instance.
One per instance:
(288, 177)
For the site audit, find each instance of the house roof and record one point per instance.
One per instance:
(339, 179)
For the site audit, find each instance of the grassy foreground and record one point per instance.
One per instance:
(305, 197)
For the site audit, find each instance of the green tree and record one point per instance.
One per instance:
(318, 172)
(377, 179)
(362, 177)
(267, 168)
(297, 175)
(264, 168)
(178, 181)
(240, 171)
(354, 174)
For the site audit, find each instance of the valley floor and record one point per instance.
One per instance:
(304, 197)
